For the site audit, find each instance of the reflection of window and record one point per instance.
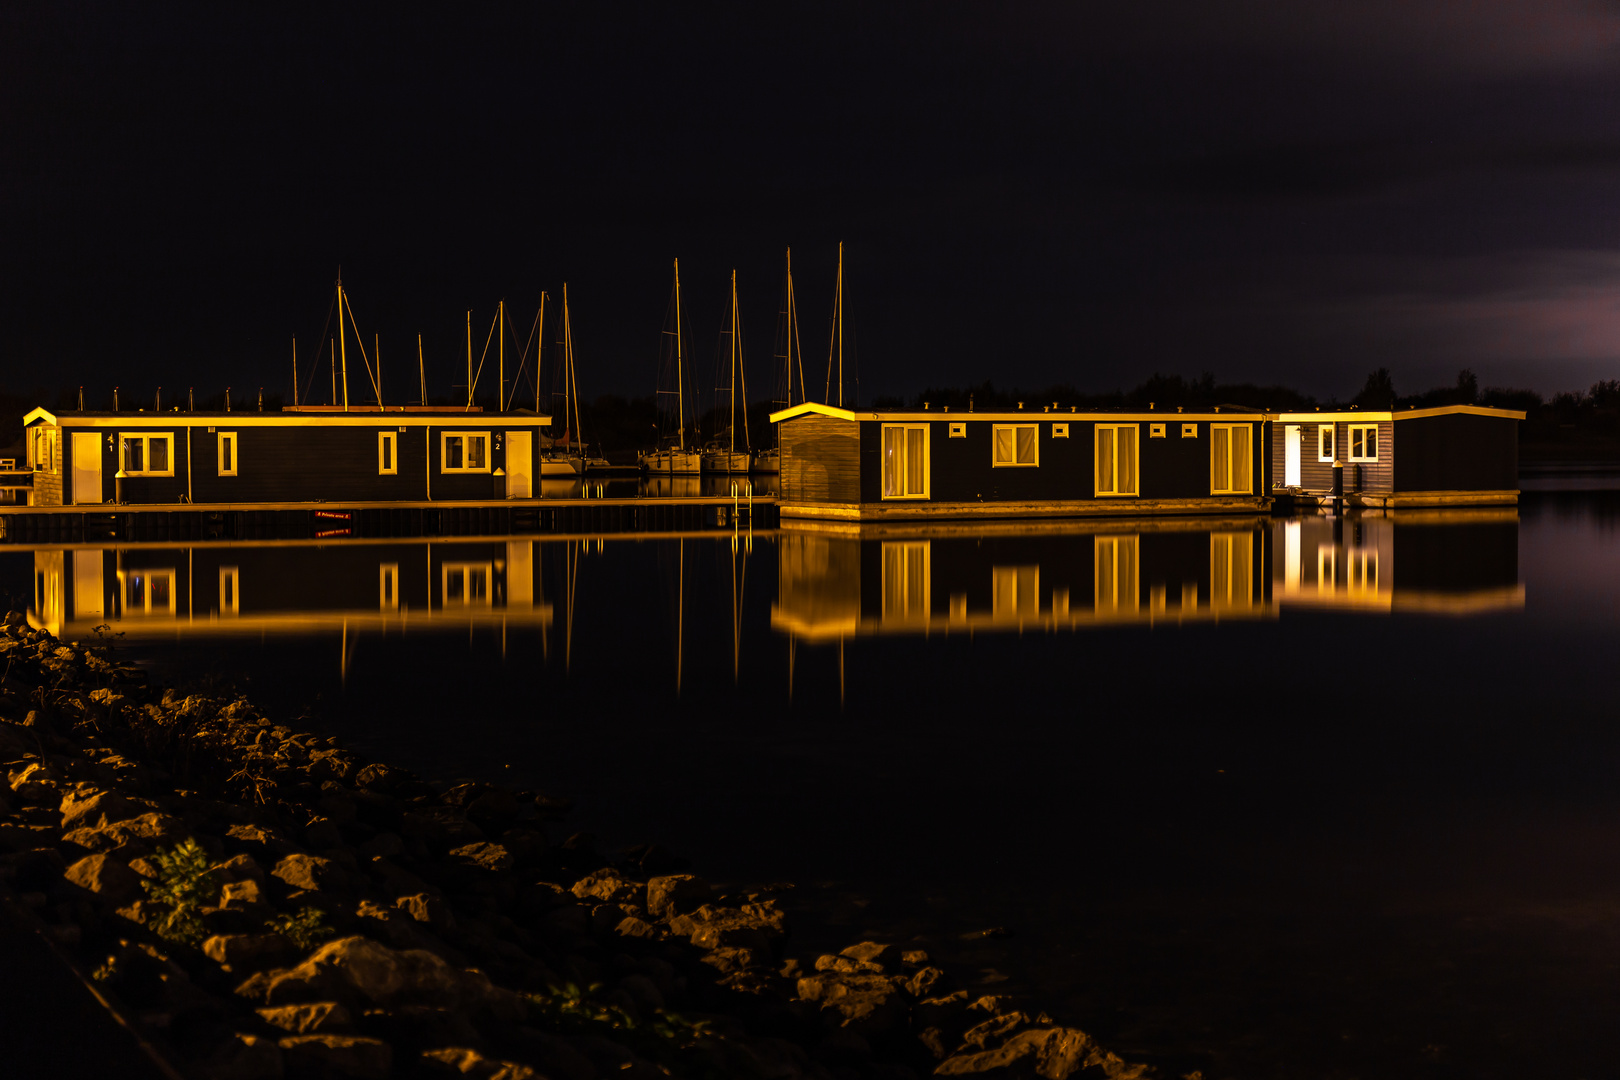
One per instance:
(906, 581)
(1231, 570)
(1229, 458)
(1327, 567)
(148, 455)
(467, 584)
(905, 461)
(1014, 444)
(464, 451)
(227, 453)
(1324, 442)
(1015, 592)
(1060, 603)
(387, 453)
(388, 587)
(1117, 584)
(147, 592)
(1116, 459)
(1363, 442)
(230, 596)
(1361, 572)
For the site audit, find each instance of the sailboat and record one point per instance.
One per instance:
(727, 458)
(791, 359)
(671, 455)
(564, 457)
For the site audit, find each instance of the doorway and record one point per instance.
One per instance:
(519, 465)
(86, 467)
(1291, 456)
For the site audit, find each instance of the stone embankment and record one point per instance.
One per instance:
(258, 902)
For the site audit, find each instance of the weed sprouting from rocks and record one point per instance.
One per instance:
(305, 929)
(185, 885)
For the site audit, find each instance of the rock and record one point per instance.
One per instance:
(240, 868)
(914, 957)
(640, 929)
(99, 808)
(313, 1018)
(340, 1055)
(323, 834)
(753, 926)
(429, 909)
(483, 856)
(245, 1057)
(459, 1060)
(994, 1030)
(246, 949)
(732, 960)
(107, 878)
(829, 962)
(925, 981)
(675, 893)
(494, 810)
(441, 828)
(872, 953)
(381, 778)
(868, 1004)
(607, 885)
(236, 895)
(359, 967)
(307, 872)
(526, 844)
(384, 844)
(136, 836)
(1050, 1053)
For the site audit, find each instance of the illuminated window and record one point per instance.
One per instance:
(905, 461)
(227, 453)
(464, 451)
(1155, 431)
(387, 453)
(148, 455)
(1060, 431)
(906, 584)
(1230, 461)
(958, 430)
(43, 450)
(1117, 459)
(230, 594)
(1189, 431)
(1013, 445)
(1015, 592)
(388, 587)
(1118, 587)
(1324, 442)
(467, 584)
(1363, 442)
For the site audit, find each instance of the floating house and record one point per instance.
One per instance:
(842, 464)
(305, 454)
(1454, 455)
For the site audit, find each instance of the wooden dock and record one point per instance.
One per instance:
(106, 523)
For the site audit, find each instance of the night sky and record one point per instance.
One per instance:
(1292, 192)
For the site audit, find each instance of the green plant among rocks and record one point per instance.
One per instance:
(666, 1039)
(306, 929)
(185, 885)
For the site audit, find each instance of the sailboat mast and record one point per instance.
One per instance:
(469, 361)
(500, 398)
(539, 347)
(680, 371)
(343, 346)
(570, 384)
(840, 324)
(421, 369)
(295, 371)
(732, 432)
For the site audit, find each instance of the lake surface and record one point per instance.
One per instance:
(1260, 797)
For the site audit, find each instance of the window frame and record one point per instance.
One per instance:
(996, 429)
(1231, 459)
(1351, 433)
(1155, 431)
(1189, 431)
(221, 439)
(388, 466)
(388, 586)
(465, 571)
(927, 464)
(958, 429)
(230, 600)
(1332, 433)
(444, 452)
(146, 438)
(1136, 461)
(900, 558)
(1059, 431)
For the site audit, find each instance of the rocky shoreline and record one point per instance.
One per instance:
(257, 902)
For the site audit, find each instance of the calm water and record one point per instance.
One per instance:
(1262, 798)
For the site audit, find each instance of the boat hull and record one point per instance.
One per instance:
(722, 461)
(675, 462)
(561, 467)
(769, 461)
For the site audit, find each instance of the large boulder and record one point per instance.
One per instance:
(462, 1061)
(607, 886)
(672, 894)
(866, 1004)
(310, 872)
(93, 808)
(246, 950)
(359, 969)
(129, 837)
(106, 877)
(1049, 1053)
(338, 1055)
(310, 1018)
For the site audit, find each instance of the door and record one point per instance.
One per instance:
(519, 465)
(1291, 456)
(86, 467)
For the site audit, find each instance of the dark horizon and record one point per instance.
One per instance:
(1033, 195)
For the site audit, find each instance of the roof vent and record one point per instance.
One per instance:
(1020, 406)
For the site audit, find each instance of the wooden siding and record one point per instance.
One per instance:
(1317, 476)
(1173, 467)
(1458, 452)
(821, 459)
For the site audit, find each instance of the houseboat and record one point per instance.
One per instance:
(304, 454)
(843, 464)
(1453, 455)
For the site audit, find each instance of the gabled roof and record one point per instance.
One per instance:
(1219, 413)
(1375, 415)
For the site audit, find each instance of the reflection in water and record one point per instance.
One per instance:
(834, 582)
(708, 485)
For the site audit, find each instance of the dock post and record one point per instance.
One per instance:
(1338, 486)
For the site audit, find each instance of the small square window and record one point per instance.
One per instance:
(958, 430)
(1189, 431)
(1155, 431)
(1060, 431)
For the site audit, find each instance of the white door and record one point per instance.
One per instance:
(86, 467)
(1291, 456)
(519, 465)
